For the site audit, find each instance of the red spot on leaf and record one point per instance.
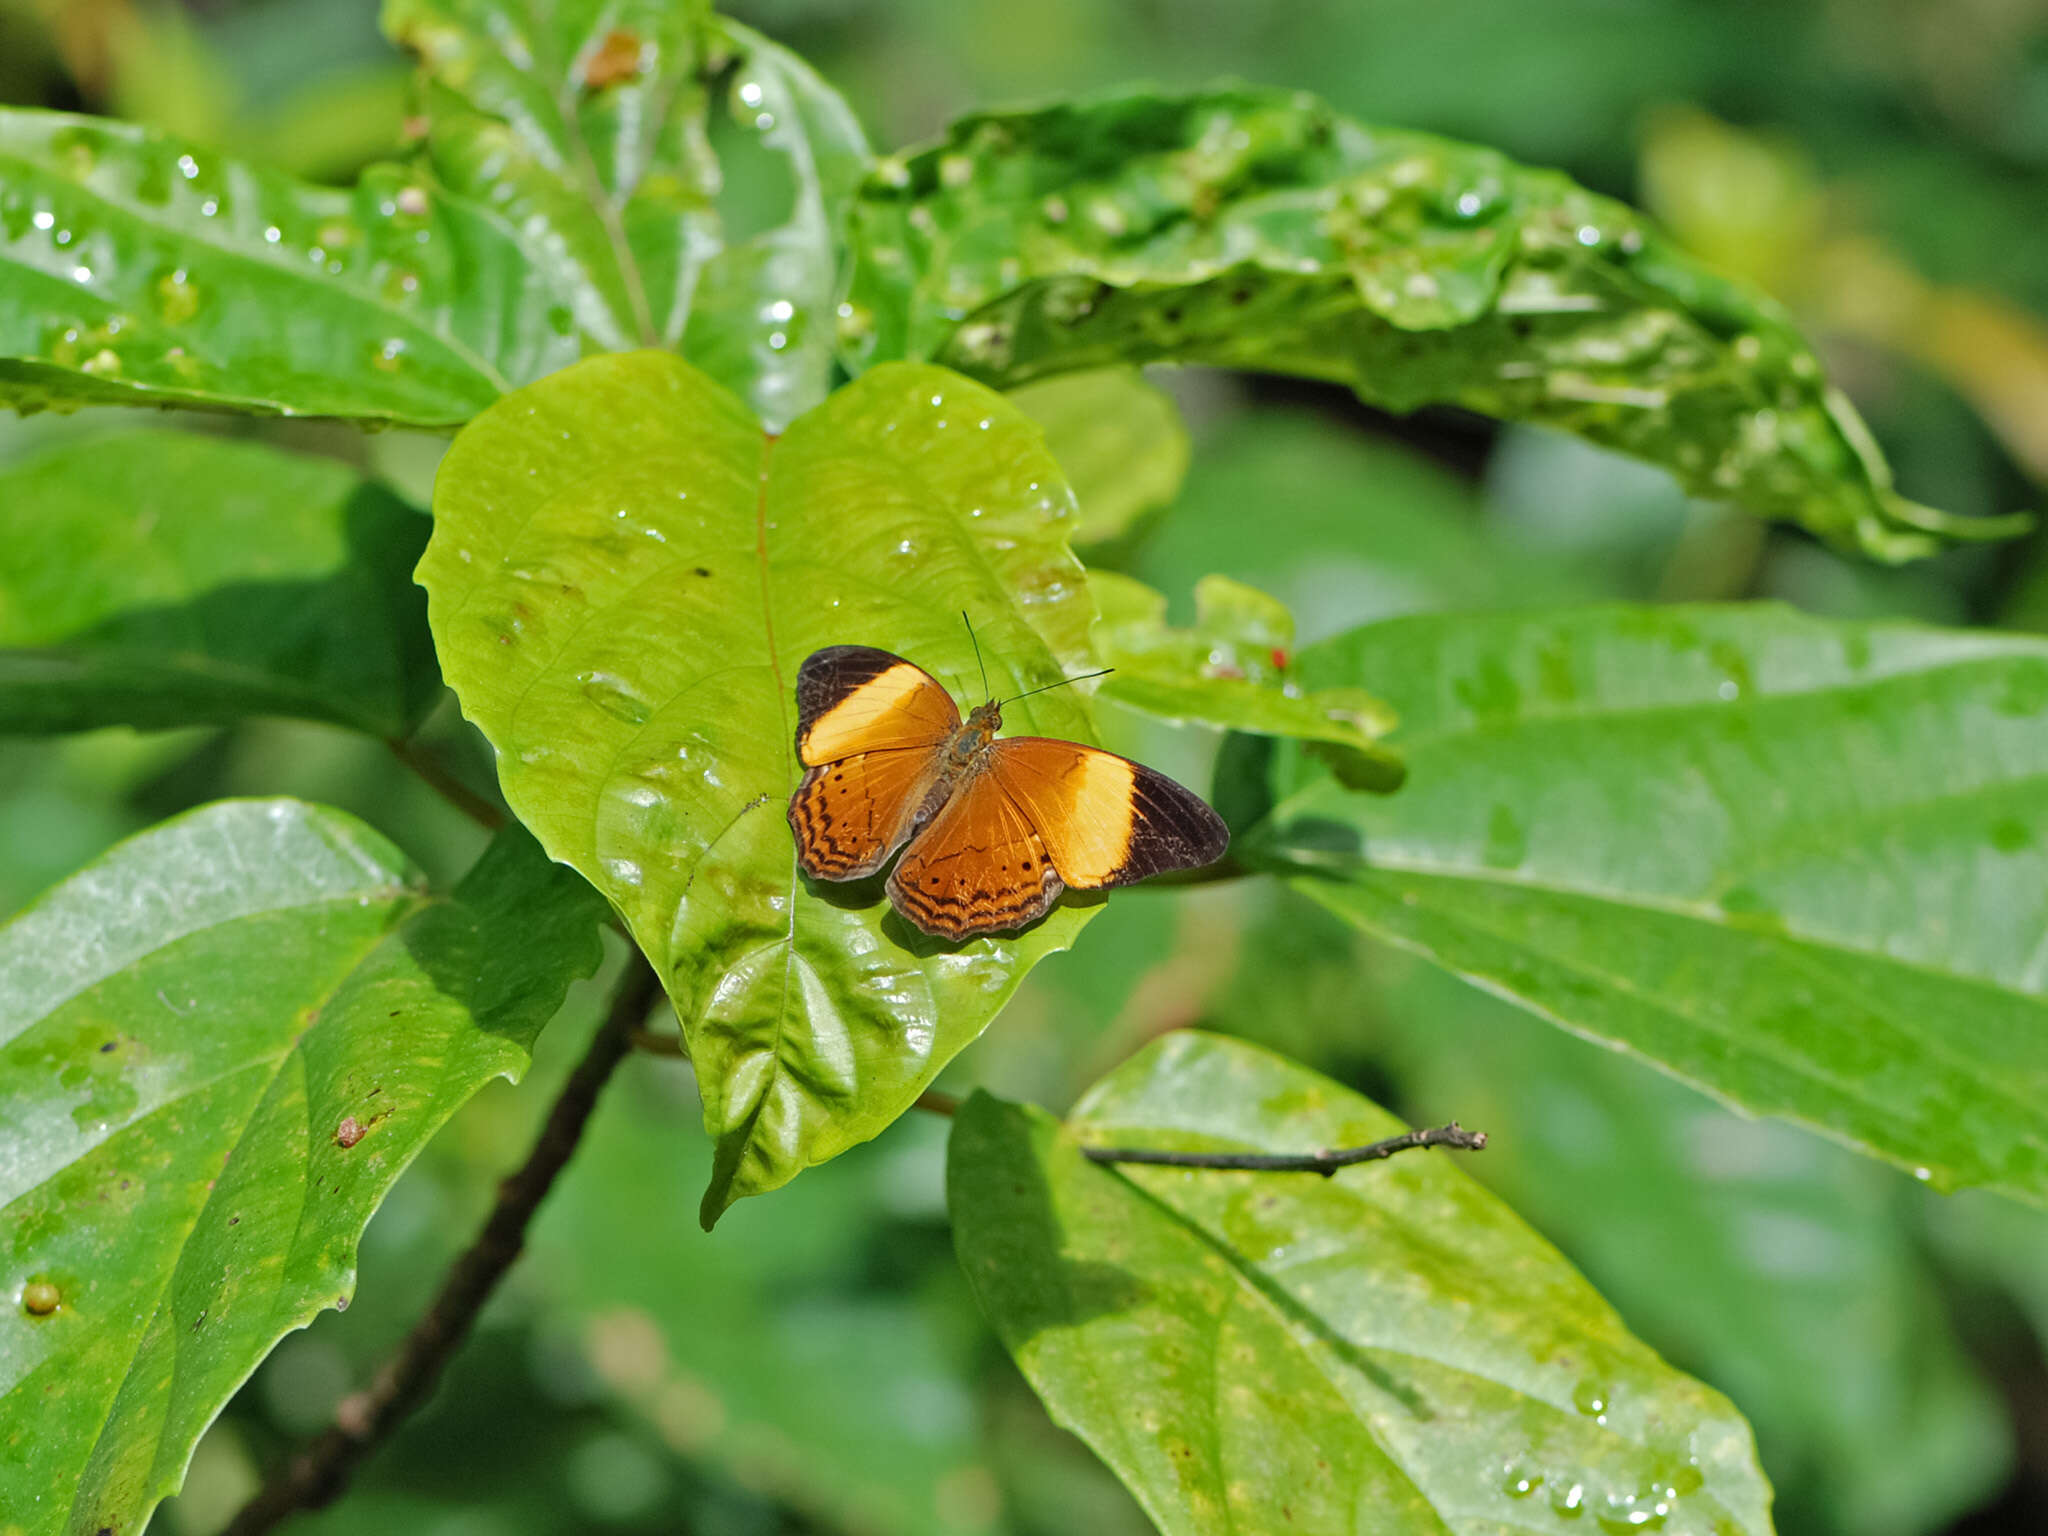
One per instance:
(348, 1133)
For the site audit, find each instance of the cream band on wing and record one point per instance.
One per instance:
(861, 721)
(1093, 839)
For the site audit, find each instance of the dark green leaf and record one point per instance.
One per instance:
(1232, 670)
(1120, 440)
(760, 1336)
(1258, 1353)
(220, 1045)
(625, 575)
(1344, 527)
(1260, 229)
(160, 578)
(1801, 864)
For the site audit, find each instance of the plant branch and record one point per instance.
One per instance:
(1325, 1163)
(317, 1474)
(446, 785)
(936, 1102)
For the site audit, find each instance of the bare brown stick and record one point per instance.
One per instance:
(1325, 1163)
(317, 1474)
(446, 785)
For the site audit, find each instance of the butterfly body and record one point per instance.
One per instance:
(993, 830)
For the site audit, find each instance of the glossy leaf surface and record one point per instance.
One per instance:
(220, 1046)
(139, 269)
(1260, 229)
(582, 126)
(564, 198)
(1802, 864)
(624, 577)
(1389, 1350)
(161, 578)
(1231, 669)
(762, 321)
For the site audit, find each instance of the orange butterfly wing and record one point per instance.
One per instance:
(854, 698)
(869, 731)
(978, 867)
(1105, 819)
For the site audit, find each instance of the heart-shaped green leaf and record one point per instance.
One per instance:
(1231, 669)
(624, 577)
(1281, 1352)
(219, 1047)
(163, 578)
(1261, 229)
(1801, 864)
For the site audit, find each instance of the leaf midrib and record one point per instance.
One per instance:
(287, 1052)
(346, 902)
(323, 283)
(1785, 935)
(1292, 1314)
(592, 187)
(1763, 1047)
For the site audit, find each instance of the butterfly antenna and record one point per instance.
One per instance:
(1047, 687)
(977, 651)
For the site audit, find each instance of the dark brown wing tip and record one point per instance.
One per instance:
(1176, 829)
(830, 674)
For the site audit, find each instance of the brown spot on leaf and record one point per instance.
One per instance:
(617, 58)
(348, 1133)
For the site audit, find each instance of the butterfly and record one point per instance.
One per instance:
(995, 830)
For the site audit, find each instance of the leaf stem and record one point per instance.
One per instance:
(1324, 1163)
(934, 1102)
(660, 1044)
(446, 785)
(320, 1472)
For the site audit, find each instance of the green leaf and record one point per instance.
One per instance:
(220, 1046)
(1119, 438)
(1769, 1263)
(1277, 1352)
(564, 199)
(1232, 670)
(762, 321)
(624, 576)
(1801, 864)
(139, 269)
(581, 126)
(1259, 229)
(161, 578)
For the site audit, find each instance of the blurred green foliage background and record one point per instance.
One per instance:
(1880, 165)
